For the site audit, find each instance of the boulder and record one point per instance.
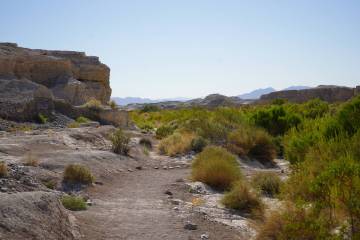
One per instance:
(35, 215)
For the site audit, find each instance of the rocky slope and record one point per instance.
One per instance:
(324, 92)
(32, 79)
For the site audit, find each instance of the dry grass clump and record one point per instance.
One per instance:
(241, 198)
(252, 142)
(82, 119)
(177, 143)
(112, 104)
(93, 104)
(73, 203)
(268, 183)
(73, 125)
(146, 143)
(120, 142)
(216, 167)
(75, 173)
(31, 160)
(3, 170)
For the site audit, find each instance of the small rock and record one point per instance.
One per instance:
(165, 167)
(130, 170)
(156, 167)
(3, 189)
(204, 236)
(171, 167)
(175, 201)
(89, 202)
(190, 226)
(179, 180)
(99, 183)
(167, 192)
(176, 209)
(139, 167)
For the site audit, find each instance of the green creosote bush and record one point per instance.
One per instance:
(216, 167)
(268, 183)
(120, 142)
(164, 131)
(76, 173)
(198, 144)
(252, 142)
(241, 198)
(177, 143)
(74, 203)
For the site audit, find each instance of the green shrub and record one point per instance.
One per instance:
(198, 144)
(268, 183)
(296, 224)
(82, 119)
(73, 203)
(150, 108)
(177, 143)
(42, 118)
(75, 173)
(51, 184)
(146, 143)
(164, 131)
(315, 108)
(73, 125)
(3, 170)
(241, 198)
(276, 120)
(112, 104)
(120, 142)
(252, 142)
(349, 116)
(216, 167)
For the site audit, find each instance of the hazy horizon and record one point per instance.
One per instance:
(162, 49)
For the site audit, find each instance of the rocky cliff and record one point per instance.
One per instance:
(323, 92)
(30, 79)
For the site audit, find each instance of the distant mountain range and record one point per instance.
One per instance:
(131, 100)
(256, 94)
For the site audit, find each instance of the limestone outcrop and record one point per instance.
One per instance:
(30, 78)
(324, 92)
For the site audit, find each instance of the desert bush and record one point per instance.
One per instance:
(51, 184)
(150, 108)
(93, 104)
(120, 142)
(295, 223)
(349, 116)
(146, 143)
(112, 104)
(268, 183)
(75, 173)
(252, 142)
(315, 108)
(73, 125)
(177, 143)
(31, 160)
(73, 203)
(241, 198)
(198, 144)
(42, 118)
(164, 131)
(276, 120)
(82, 119)
(216, 167)
(3, 169)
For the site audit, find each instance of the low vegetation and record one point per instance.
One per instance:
(82, 119)
(113, 104)
(31, 160)
(267, 183)
(120, 142)
(216, 167)
(77, 174)
(3, 170)
(94, 104)
(146, 142)
(177, 143)
(42, 118)
(241, 198)
(73, 125)
(73, 203)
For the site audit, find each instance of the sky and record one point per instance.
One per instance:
(191, 48)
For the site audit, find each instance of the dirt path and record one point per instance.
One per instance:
(134, 207)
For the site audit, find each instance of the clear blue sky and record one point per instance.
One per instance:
(191, 48)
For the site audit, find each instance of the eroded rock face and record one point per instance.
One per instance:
(326, 93)
(35, 215)
(71, 76)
